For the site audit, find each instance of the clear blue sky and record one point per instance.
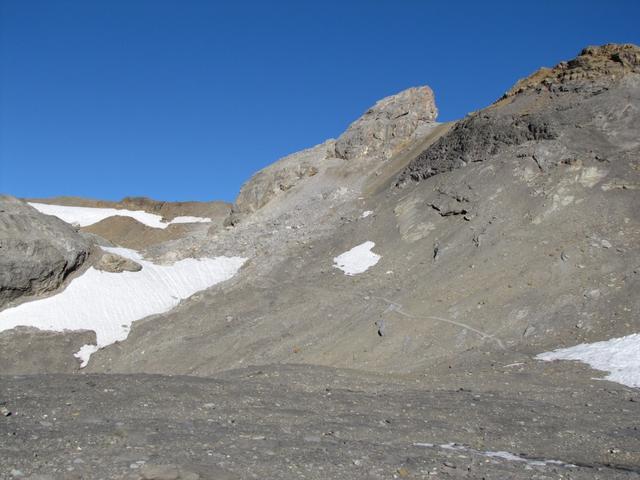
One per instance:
(184, 99)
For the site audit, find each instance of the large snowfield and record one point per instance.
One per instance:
(357, 260)
(618, 356)
(85, 216)
(108, 303)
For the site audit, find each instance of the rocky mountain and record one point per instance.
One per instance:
(377, 306)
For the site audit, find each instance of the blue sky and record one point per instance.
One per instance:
(182, 100)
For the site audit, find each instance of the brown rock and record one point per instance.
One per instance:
(110, 262)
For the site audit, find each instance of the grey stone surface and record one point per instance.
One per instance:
(28, 350)
(37, 252)
(288, 421)
(388, 125)
(111, 262)
(552, 104)
(280, 177)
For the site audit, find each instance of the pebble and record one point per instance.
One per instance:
(403, 472)
(5, 412)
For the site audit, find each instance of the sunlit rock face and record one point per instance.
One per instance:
(388, 125)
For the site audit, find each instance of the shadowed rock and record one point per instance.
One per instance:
(541, 109)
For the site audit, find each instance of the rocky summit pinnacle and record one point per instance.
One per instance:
(388, 125)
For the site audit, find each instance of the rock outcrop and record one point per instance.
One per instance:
(546, 111)
(388, 125)
(37, 252)
(384, 130)
(281, 177)
(111, 262)
(593, 65)
(477, 138)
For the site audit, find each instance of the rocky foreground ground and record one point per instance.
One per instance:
(533, 420)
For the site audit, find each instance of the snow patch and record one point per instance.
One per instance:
(618, 356)
(108, 303)
(508, 456)
(357, 260)
(85, 216)
(187, 219)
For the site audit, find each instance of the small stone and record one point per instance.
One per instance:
(113, 263)
(403, 472)
(5, 412)
(17, 473)
(605, 244)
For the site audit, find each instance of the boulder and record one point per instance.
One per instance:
(37, 251)
(111, 262)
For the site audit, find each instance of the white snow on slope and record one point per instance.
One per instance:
(357, 260)
(508, 456)
(618, 356)
(187, 219)
(85, 216)
(108, 303)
